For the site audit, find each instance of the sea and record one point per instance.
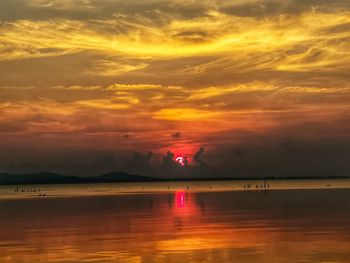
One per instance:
(206, 221)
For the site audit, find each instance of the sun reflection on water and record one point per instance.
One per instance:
(180, 199)
(182, 226)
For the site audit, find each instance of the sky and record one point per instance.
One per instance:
(240, 88)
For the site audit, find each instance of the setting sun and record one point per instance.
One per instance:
(181, 160)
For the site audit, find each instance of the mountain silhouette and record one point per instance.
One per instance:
(52, 178)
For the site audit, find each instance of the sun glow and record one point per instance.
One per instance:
(181, 160)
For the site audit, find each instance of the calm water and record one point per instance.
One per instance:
(180, 226)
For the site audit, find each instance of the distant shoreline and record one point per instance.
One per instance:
(39, 191)
(121, 177)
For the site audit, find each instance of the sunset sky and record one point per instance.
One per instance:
(91, 86)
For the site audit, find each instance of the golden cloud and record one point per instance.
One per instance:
(165, 69)
(184, 114)
(228, 34)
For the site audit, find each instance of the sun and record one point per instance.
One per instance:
(180, 160)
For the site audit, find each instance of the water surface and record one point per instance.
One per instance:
(305, 225)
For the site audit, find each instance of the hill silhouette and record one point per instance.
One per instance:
(52, 178)
(119, 177)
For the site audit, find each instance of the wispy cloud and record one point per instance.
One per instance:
(212, 70)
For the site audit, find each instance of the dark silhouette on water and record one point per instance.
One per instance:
(51, 178)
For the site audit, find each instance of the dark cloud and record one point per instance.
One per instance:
(198, 155)
(12, 126)
(140, 163)
(168, 160)
(105, 9)
(263, 8)
(176, 135)
(101, 9)
(108, 158)
(271, 157)
(239, 153)
(193, 36)
(345, 27)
